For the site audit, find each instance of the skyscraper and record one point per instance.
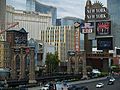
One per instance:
(33, 5)
(114, 11)
(2, 18)
(68, 21)
(30, 5)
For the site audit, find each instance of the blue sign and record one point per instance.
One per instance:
(87, 27)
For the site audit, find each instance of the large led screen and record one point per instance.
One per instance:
(87, 27)
(105, 43)
(103, 28)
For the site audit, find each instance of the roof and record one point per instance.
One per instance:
(22, 30)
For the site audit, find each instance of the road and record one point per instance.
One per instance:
(92, 85)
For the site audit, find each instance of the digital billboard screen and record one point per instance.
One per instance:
(87, 27)
(103, 28)
(105, 43)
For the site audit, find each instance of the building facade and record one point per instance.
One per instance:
(68, 21)
(21, 55)
(2, 18)
(114, 15)
(37, 44)
(113, 7)
(33, 22)
(4, 54)
(100, 38)
(30, 5)
(62, 37)
(33, 5)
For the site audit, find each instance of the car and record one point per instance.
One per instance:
(75, 87)
(112, 79)
(71, 87)
(110, 83)
(99, 85)
(46, 87)
(82, 88)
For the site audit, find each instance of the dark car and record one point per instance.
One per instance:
(82, 88)
(75, 87)
(72, 87)
(110, 83)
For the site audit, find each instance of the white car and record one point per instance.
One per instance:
(112, 79)
(99, 85)
(46, 87)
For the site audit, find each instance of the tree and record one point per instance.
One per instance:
(52, 62)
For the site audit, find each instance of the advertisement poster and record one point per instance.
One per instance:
(103, 28)
(87, 27)
(105, 43)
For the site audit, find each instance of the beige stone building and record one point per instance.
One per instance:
(62, 37)
(32, 22)
(4, 55)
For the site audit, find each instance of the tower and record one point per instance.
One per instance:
(30, 5)
(2, 16)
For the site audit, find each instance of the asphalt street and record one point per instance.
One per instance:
(92, 85)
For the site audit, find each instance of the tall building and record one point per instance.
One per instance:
(33, 5)
(33, 22)
(68, 21)
(114, 10)
(30, 5)
(4, 54)
(2, 18)
(59, 36)
(62, 37)
(2, 15)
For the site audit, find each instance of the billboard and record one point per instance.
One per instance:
(103, 28)
(105, 43)
(96, 12)
(87, 27)
(77, 37)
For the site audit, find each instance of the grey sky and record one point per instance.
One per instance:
(75, 8)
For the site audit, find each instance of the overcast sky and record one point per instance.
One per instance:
(75, 8)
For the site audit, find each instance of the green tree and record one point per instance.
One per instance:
(52, 62)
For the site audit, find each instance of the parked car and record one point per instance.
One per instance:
(99, 85)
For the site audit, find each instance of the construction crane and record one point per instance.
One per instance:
(10, 25)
